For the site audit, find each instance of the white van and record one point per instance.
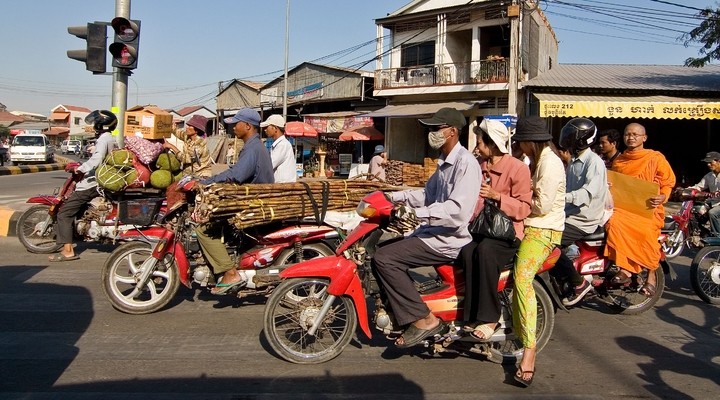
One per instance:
(70, 146)
(31, 148)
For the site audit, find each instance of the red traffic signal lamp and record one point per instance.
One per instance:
(124, 49)
(95, 35)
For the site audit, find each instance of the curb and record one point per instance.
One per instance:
(8, 221)
(25, 169)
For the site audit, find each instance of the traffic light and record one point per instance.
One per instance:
(93, 56)
(124, 49)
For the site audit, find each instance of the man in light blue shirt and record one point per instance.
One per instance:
(586, 193)
(444, 208)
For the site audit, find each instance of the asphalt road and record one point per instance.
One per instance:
(60, 338)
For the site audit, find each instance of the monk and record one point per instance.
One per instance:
(632, 241)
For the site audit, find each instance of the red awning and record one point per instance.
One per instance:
(59, 116)
(57, 131)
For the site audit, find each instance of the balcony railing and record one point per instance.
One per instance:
(484, 71)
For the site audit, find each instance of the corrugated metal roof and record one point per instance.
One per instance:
(629, 77)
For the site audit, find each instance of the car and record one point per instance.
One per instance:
(70, 146)
(31, 148)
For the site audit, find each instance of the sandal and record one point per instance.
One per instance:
(62, 257)
(648, 289)
(620, 278)
(520, 374)
(414, 335)
(485, 331)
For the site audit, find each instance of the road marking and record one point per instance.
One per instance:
(5, 214)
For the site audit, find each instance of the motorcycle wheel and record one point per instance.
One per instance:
(510, 351)
(629, 301)
(674, 244)
(286, 321)
(27, 226)
(705, 274)
(310, 251)
(121, 271)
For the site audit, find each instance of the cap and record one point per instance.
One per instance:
(531, 129)
(379, 149)
(275, 119)
(711, 156)
(198, 122)
(248, 115)
(445, 116)
(498, 132)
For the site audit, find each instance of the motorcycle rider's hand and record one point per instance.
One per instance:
(404, 213)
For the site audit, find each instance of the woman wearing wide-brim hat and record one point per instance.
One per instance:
(194, 155)
(543, 231)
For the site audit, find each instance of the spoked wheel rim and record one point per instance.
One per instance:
(705, 275)
(674, 244)
(36, 230)
(287, 321)
(630, 300)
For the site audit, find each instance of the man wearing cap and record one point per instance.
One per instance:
(711, 183)
(253, 166)
(194, 155)
(376, 167)
(443, 208)
(281, 151)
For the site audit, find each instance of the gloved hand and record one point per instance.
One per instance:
(404, 213)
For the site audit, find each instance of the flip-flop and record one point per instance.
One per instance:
(519, 377)
(620, 278)
(224, 288)
(414, 335)
(62, 257)
(648, 289)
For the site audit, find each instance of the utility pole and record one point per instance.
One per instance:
(120, 80)
(287, 39)
(514, 15)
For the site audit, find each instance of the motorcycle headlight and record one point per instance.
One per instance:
(365, 210)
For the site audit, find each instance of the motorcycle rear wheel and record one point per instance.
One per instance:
(26, 228)
(121, 270)
(705, 274)
(630, 301)
(309, 251)
(674, 245)
(287, 319)
(510, 351)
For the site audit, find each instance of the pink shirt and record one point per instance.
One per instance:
(511, 178)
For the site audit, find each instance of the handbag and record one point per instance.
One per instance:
(492, 222)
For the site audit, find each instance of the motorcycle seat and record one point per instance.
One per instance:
(599, 234)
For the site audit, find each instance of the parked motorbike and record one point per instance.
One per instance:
(690, 225)
(105, 219)
(705, 271)
(142, 276)
(311, 317)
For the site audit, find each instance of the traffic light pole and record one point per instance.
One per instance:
(120, 80)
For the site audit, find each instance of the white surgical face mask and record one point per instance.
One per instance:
(436, 139)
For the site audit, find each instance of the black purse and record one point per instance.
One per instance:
(492, 222)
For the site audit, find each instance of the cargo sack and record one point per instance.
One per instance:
(139, 176)
(145, 150)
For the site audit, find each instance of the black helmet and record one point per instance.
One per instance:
(578, 134)
(102, 121)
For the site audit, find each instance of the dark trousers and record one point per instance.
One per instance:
(482, 262)
(564, 268)
(69, 209)
(392, 263)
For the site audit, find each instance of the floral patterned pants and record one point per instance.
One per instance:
(534, 249)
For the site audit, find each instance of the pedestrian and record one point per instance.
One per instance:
(543, 231)
(632, 240)
(608, 144)
(281, 151)
(377, 163)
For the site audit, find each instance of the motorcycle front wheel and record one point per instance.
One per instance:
(628, 299)
(289, 313)
(36, 230)
(510, 351)
(674, 245)
(122, 271)
(705, 274)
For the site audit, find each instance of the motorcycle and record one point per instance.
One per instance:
(705, 271)
(312, 315)
(690, 225)
(142, 276)
(105, 219)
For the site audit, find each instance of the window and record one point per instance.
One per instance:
(77, 120)
(415, 54)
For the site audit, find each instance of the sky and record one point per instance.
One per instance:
(188, 47)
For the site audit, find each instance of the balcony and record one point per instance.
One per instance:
(494, 70)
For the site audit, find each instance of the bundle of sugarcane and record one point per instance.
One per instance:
(413, 175)
(394, 172)
(257, 204)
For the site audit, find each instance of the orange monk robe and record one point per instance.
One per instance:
(632, 241)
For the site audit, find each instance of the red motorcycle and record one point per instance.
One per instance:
(689, 226)
(106, 218)
(144, 275)
(312, 316)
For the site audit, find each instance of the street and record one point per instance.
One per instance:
(60, 338)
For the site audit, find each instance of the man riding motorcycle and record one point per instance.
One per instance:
(103, 123)
(711, 183)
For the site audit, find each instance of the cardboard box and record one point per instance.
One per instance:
(150, 122)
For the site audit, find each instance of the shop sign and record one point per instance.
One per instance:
(623, 109)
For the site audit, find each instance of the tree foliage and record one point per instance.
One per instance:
(707, 34)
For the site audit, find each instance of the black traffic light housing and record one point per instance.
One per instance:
(124, 49)
(94, 55)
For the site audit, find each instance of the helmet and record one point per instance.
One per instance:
(102, 121)
(578, 134)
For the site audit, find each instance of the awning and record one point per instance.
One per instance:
(668, 107)
(421, 109)
(57, 130)
(59, 116)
